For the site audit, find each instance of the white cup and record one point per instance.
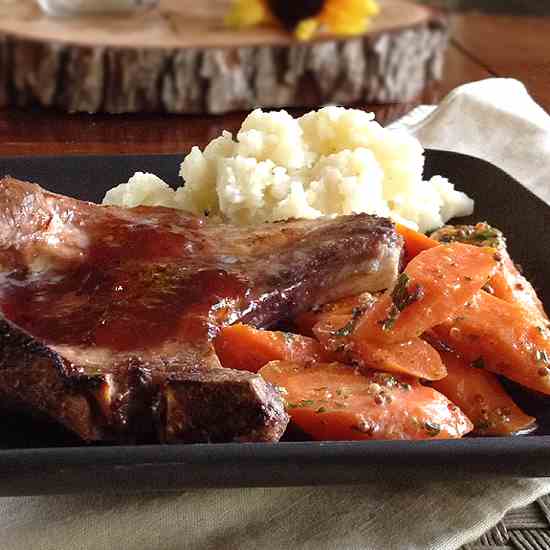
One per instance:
(77, 7)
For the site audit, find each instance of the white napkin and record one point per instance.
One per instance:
(494, 119)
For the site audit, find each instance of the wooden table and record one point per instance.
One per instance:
(482, 46)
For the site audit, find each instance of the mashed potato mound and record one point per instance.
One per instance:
(329, 162)
(142, 189)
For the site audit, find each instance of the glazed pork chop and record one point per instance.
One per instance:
(107, 314)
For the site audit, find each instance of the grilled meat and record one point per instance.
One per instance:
(107, 314)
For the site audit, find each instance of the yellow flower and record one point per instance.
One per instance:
(246, 13)
(305, 17)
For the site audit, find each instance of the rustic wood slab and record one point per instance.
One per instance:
(181, 59)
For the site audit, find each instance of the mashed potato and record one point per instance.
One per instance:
(142, 189)
(329, 162)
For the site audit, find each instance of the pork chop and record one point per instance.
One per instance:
(107, 314)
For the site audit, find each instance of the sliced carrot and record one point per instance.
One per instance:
(413, 357)
(334, 402)
(482, 398)
(415, 242)
(434, 285)
(510, 285)
(243, 347)
(503, 338)
(507, 283)
(346, 306)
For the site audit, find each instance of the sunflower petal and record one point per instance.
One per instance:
(348, 17)
(246, 13)
(306, 29)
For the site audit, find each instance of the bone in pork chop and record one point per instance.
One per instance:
(107, 314)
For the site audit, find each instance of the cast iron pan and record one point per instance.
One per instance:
(37, 458)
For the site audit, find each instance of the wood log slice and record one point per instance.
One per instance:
(179, 58)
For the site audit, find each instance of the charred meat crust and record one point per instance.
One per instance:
(219, 405)
(32, 379)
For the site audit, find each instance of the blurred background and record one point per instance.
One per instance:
(42, 82)
(520, 7)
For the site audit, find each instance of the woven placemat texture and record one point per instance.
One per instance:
(522, 529)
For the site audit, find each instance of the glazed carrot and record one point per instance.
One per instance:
(305, 322)
(334, 402)
(508, 283)
(482, 398)
(415, 242)
(503, 338)
(434, 285)
(243, 347)
(413, 357)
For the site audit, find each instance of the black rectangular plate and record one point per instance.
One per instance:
(39, 461)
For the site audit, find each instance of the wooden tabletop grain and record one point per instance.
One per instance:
(482, 46)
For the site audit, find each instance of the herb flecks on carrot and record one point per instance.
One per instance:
(481, 396)
(435, 284)
(401, 297)
(413, 357)
(337, 402)
(481, 234)
(508, 341)
(353, 306)
(243, 347)
(508, 283)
